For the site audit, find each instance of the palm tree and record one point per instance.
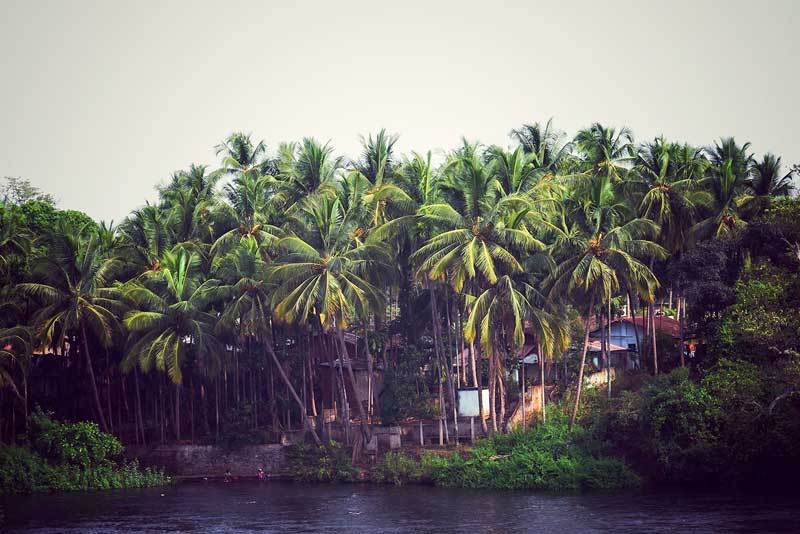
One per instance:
(15, 352)
(664, 184)
(502, 311)
(323, 276)
(605, 150)
(544, 143)
(190, 199)
(766, 182)
(305, 170)
(170, 318)
(250, 207)
(474, 242)
(73, 289)
(241, 156)
(145, 238)
(594, 255)
(243, 272)
(14, 239)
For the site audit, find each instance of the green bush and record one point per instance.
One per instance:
(547, 457)
(69, 457)
(398, 469)
(320, 463)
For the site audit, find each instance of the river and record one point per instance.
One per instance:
(250, 507)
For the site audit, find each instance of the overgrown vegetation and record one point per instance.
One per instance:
(57, 456)
(547, 457)
(320, 463)
(256, 295)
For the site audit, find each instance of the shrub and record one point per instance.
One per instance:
(320, 463)
(547, 457)
(69, 457)
(398, 469)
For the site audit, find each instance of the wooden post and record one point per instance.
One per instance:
(472, 430)
(421, 435)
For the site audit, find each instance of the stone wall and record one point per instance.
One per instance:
(212, 461)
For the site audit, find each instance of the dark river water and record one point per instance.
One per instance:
(286, 507)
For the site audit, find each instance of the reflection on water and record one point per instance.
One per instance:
(286, 507)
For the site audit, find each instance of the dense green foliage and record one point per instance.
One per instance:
(548, 457)
(316, 463)
(223, 312)
(68, 457)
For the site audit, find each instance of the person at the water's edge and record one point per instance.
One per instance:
(228, 474)
(261, 475)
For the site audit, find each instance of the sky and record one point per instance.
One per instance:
(100, 101)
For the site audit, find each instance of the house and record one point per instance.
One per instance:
(626, 332)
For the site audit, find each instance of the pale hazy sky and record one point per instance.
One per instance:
(100, 101)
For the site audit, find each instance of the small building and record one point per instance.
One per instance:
(625, 333)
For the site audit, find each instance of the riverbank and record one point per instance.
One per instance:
(546, 458)
(57, 456)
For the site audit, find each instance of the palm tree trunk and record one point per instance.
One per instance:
(608, 346)
(139, 417)
(681, 311)
(90, 368)
(652, 307)
(492, 391)
(370, 372)
(541, 369)
(365, 434)
(178, 412)
(306, 420)
(583, 364)
(474, 360)
(439, 342)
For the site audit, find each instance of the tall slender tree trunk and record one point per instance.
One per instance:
(311, 383)
(292, 392)
(439, 342)
(608, 346)
(681, 311)
(474, 360)
(370, 372)
(492, 390)
(178, 412)
(90, 368)
(652, 307)
(139, 405)
(365, 433)
(541, 370)
(586, 321)
(523, 397)
(632, 313)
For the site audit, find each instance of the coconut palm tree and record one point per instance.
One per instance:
(605, 151)
(249, 207)
(305, 169)
(595, 253)
(544, 143)
(170, 318)
(241, 156)
(15, 351)
(243, 273)
(73, 288)
(322, 275)
(766, 182)
(14, 239)
(474, 241)
(725, 182)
